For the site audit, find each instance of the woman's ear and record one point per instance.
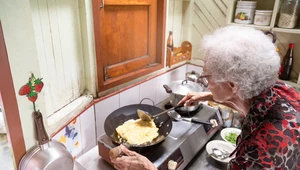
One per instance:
(233, 86)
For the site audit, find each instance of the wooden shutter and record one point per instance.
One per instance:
(126, 35)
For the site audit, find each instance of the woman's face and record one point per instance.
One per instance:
(221, 91)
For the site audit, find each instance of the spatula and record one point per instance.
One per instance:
(145, 116)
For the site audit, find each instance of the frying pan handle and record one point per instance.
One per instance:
(42, 135)
(115, 152)
(196, 120)
(148, 99)
(168, 89)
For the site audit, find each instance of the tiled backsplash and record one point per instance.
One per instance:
(82, 133)
(70, 136)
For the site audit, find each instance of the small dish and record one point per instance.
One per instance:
(225, 132)
(221, 145)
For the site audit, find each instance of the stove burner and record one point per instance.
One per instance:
(168, 106)
(184, 113)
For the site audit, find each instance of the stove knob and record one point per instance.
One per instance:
(172, 165)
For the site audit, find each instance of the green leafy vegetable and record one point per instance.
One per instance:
(231, 137)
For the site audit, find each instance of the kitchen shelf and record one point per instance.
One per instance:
(179, 54)
(262, 5)
(286, 30)
(266, 28)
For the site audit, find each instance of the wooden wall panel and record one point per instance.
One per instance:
(207, 16)
(59, 46)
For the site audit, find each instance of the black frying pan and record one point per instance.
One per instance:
(121, 115)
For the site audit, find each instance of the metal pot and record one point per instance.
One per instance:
(196, 77)
(179, 89)
(48, 155)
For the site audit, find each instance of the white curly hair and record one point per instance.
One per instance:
(241, 55)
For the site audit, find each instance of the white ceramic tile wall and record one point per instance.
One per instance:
(70, 136)
(103, 109)
(89, 147)
(167, 78)
(82, 133)
(178, 74)
(130, 96)
(161, 93)
(88, 129)
(190, 68)
(148, 90)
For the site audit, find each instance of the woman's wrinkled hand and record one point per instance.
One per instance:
(130, 160)
(192, 98)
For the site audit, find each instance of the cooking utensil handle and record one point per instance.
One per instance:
(168, 89)
(148, 99)
(172, 108)
(196, 120)
(42, 135)
(115, 152)
(184, 81)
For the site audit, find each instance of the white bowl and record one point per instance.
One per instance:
(226, 132)
(221, 145)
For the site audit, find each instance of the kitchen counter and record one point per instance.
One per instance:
(203, 161)
(92, 161)
(78, 166)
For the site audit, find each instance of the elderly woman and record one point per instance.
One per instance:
(241, 66)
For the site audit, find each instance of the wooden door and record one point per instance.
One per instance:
(126, 39)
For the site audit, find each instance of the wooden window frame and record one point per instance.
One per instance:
(160, 48)
(10, 109)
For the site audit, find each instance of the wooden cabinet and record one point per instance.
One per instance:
(273, 5)
(129, 36)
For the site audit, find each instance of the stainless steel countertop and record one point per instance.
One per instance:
(92, 161)
(77, 166)
(203, 161)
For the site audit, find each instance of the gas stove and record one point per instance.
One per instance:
(181, 145)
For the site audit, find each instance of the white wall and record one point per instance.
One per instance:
(191, 20)
(23, 58)
(207, 16)
(55, 41)
(174, 22)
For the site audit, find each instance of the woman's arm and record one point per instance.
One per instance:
(129, 160)
(194, 97)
